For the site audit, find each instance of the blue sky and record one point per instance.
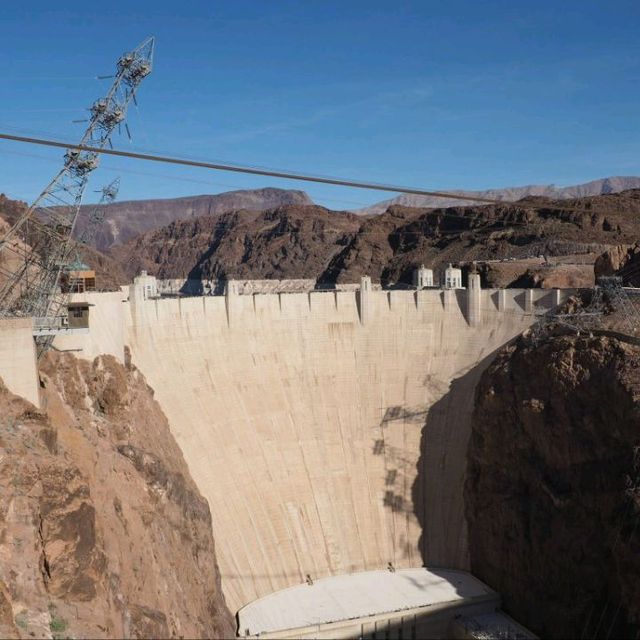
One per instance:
(456, 94)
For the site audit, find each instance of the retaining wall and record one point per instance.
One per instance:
(18, 358)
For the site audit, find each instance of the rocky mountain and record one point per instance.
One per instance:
(125, 220)
(553, 485)
(10, 260)
(313, 242)
(309, 241)
(511, 194)
(103, 532)
(287, 242)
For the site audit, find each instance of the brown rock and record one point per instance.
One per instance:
(621, 260)
(332, 246)
(104, 533)
(8, 627)
(552, 492)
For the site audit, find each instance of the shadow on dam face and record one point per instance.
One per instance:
(445, 463)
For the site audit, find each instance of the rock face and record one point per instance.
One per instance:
(104, 533)
(622, 260)
(287, 242)
(308, 241)
(10, 259)
(553, 486)
(125, 220)
(541, 273)
(312, 242)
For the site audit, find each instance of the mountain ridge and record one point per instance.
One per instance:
(296, 241)
(127, 219)
(601, 186)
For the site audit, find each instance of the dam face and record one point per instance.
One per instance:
(328, 430)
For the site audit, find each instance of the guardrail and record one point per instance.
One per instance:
(54, 326)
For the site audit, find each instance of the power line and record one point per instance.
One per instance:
(289, 175)
(165, 176)
(489, 226)
(443, 213)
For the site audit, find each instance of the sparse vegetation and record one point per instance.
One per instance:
(21, 619)
(57, 624)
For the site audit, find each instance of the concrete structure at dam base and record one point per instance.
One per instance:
(408, 603)
(328, 430)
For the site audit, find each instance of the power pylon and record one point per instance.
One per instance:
(88, 234)
(608, 295)
(96, 215)
(42, 236)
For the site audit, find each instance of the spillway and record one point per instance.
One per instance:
(327, 430)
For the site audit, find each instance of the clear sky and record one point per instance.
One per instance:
(432, 94)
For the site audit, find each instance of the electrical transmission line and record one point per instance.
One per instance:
(38, 247)
(289, 175)
(281, 173)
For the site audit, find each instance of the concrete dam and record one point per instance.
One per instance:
(328, 431)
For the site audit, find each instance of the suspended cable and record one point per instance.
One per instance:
(285, 174)
(164, 176)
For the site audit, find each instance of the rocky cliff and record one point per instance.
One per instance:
(331, 246)
(308, 241)
(622, 260)
(128, 219)
(103, 532)
(286, 242)
(553, 485)
(561, 272)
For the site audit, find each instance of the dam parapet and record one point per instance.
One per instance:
(365, 299)
(366, 296)
(196, 287)
(113, 315)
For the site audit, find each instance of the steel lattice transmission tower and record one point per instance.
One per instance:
(88, 234)
(609, 295)
(39, 246)
(96, 215)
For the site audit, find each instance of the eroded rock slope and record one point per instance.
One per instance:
(127, 219)
(553, 485)
(103, 532)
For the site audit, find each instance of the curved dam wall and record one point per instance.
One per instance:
(328, 430)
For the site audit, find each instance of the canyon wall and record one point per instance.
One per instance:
(103, 533)
(553, 485)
